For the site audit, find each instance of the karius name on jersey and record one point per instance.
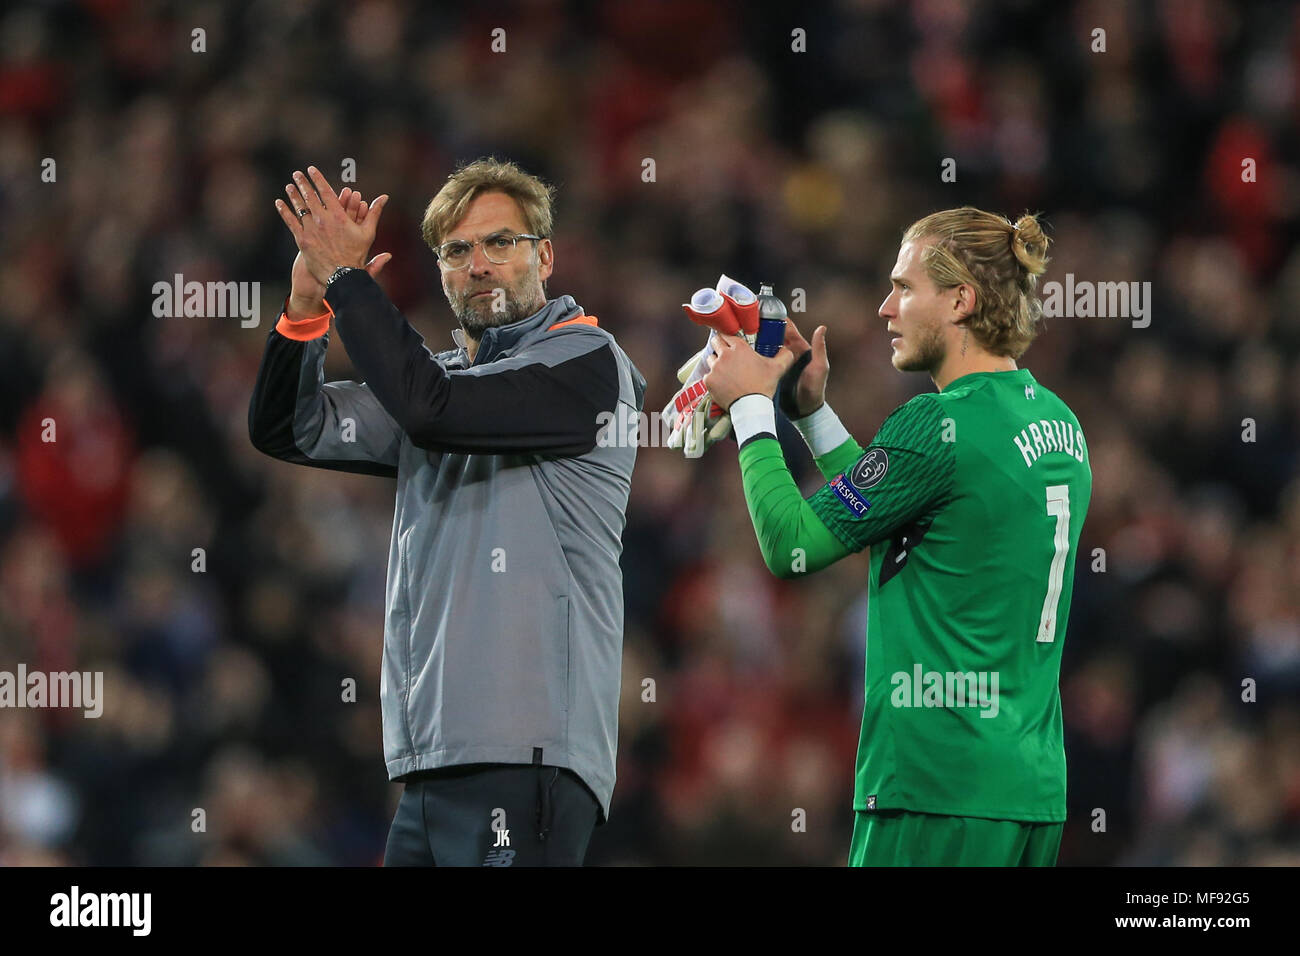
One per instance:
(1043, 436)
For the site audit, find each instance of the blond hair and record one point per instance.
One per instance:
(1000, 259)
(481, 176)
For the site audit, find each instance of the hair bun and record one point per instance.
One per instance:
(1029, 244)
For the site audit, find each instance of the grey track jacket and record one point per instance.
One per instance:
(503, 634)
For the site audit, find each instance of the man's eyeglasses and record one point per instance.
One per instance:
(499, 248)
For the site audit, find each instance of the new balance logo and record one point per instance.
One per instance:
(905, 541)
(1029, 392)
(499, 858)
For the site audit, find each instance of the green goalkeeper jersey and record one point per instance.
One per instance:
(973, 499)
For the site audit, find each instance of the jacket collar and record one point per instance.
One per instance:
(502, 337)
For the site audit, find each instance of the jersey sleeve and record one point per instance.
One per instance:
(791, 537)
(839, 459)
(905, 474)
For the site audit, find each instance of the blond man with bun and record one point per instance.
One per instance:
(971, 500)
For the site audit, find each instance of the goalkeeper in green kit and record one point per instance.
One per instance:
(971, 500)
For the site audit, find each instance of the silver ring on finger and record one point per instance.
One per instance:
(301, 213)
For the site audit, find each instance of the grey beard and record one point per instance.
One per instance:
(475, 323)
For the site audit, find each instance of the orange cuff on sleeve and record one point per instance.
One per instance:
(304, 330)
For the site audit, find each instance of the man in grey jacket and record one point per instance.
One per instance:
(504, 622)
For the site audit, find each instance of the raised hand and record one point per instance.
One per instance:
(735, 369)
(326, 235)
(306, 291)
(803, 389)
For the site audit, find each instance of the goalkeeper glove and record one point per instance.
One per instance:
(694, 422)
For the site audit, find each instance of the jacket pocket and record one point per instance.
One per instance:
(564, 669)
(404, 650)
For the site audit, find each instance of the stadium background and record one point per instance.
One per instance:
(223, 687)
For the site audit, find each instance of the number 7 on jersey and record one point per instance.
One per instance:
(1058, 505)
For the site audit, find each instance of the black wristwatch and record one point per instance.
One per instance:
(336, 273)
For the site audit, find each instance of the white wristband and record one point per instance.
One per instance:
(752, 415)
(822, 430)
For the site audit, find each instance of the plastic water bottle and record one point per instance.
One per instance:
(771, 322)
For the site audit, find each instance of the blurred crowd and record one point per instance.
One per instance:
(227, 597)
